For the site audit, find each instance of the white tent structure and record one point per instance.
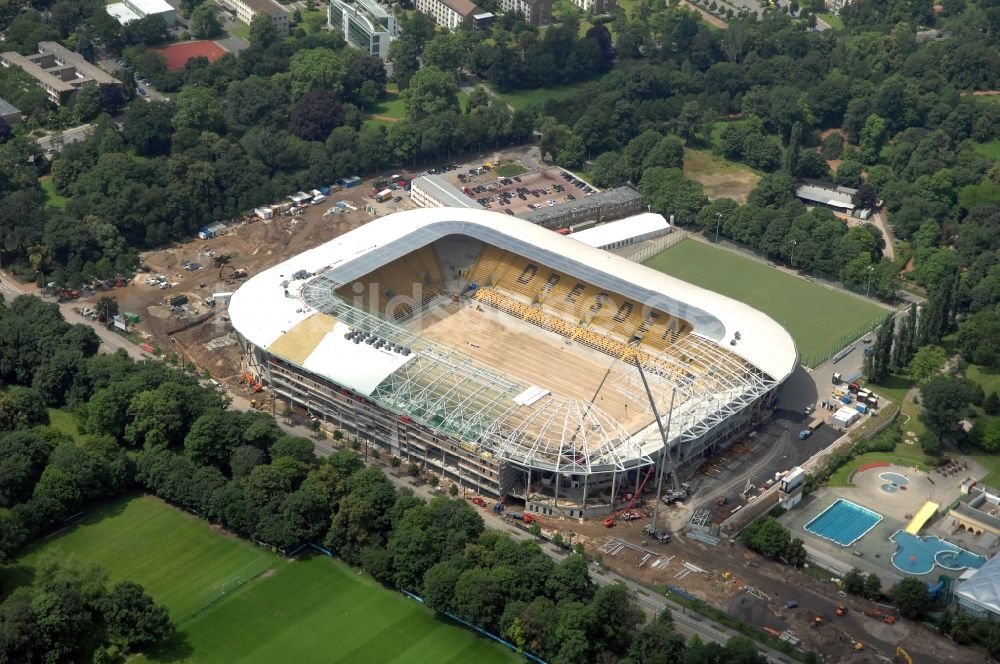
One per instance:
(980, 593)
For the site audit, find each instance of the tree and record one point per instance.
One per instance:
(262, 31)
(616, 617)
(405, 55)
(430, 92)
(991, 405)
(187, 7)
(911, 598)
(316, 69)
(198, 108)
(668, 153)
(439, 585)
(315, 115)
(147, 127)
(133, 621)
(570, 580)
(865, 197)
(873, 587)
(879, 357)
(854, 582)
(295, 447)
(872, 138)
(204, 24)
(658, 642)
(670, 193)
(928, 361)
(944, 399)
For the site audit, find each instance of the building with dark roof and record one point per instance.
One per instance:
(10, 113)
(450, 13)
(602, 206)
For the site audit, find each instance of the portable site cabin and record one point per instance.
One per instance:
(212, 230)
(844, 417)
(264, 213)
(347, 183)
(300, 197)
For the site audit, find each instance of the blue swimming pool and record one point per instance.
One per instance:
(918, 555)
(843, 522)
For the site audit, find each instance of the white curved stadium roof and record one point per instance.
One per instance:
(292, 311)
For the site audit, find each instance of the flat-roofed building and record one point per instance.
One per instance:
(58, 70)
(365, 24)
(127, 11)
(450, 13)
(246, 9)
(535, 12)
(431, 191)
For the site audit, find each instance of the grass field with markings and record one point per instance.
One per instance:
(815, 316)
(309, 610)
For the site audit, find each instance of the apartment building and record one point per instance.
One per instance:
(246, 9)
(58, 70)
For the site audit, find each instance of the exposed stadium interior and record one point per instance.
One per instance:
(506, 357)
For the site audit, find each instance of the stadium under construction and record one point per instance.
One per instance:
(518, 362)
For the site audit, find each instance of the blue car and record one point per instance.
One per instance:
(142, 92)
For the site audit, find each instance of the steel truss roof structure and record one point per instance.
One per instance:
(451, 392)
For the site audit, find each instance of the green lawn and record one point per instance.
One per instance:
(51, 197)
(241, 30)
(992, 463)
(64, 421)
(391, 109)
(522, 99)
(510, 170)
(832, 20)
(317, 610)
(817, 318)
(842, 476)
(176, 556)
(308, 610)
(991, 149)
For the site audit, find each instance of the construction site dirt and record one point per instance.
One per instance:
(755, 591)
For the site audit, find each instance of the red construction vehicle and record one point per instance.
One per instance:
(609, 522)
(527, 518)
(632, 515)
(479, 501)
(628, 508)
(879, 615)
(254, 385)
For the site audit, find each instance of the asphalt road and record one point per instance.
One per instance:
(688, 624)
(55, 141)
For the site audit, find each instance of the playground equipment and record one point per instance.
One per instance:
(926, 511)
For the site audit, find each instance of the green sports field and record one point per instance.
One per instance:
(309, 610)
(819, 319)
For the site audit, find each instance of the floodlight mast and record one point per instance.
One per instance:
(664, 434)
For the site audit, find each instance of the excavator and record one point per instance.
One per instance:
(905, 655)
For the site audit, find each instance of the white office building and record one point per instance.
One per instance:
(365, 24)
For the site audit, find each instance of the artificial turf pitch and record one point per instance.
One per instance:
(817, 317)
(313, 609)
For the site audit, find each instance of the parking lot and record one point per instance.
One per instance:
(521, 193)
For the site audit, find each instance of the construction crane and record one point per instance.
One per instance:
(626, 513)
(905, 655)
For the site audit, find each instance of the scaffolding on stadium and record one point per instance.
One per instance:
(448, 391)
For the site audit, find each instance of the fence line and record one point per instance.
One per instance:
(816, 276)
(478, 629)
(658, 245)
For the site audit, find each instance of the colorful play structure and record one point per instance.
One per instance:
(920, 518)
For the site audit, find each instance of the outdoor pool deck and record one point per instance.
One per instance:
(922, 555)
(843, 522)
(873, 552)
